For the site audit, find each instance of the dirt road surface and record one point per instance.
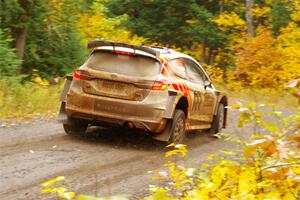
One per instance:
(104, 162)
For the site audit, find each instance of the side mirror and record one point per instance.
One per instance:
(207, 83)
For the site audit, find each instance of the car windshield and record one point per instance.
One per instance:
(132, 65)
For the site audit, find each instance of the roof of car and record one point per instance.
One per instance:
(170, 53)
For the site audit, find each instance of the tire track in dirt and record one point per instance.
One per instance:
(82, 171)
(125, 158)
(87, 150)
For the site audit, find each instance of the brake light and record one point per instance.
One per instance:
(81, 74)
(124, 53)
(162, 84)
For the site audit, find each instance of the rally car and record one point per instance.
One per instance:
(155, 89)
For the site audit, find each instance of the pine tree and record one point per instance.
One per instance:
(280, 16)
(9, 61)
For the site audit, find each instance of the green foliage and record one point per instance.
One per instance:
(16, 14)
(52, 43)
(102, 27)
(57, 54)
(54, 47)
(169, 22)
(54, 32)
(9, 61)
(280, 16)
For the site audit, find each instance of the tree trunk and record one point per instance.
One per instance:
(249, 17)
(211, 56)
(204, 52)
(221, 3)
(20, 42)
(21, 32)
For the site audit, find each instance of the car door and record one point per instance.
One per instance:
(195, 90)
(204, 97)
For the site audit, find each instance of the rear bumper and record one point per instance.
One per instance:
(147, 114)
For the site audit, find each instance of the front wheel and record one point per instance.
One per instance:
(218, 120)
(177, 130)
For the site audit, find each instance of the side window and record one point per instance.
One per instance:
(177, 67)
(194, 72)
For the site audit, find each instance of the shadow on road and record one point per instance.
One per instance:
(133, 139)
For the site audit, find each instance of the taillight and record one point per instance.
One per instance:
(160, 84)
(81, 74)
(124, 53)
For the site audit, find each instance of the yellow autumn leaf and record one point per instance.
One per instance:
(52, 181)
(247, 182)
(230, 20)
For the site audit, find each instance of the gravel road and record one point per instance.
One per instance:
(103, 162)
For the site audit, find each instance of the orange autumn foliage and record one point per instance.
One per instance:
(268, 62)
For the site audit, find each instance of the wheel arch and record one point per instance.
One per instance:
(182, 104)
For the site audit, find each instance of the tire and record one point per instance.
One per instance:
(177, 129)
(76, 127)
(218, 120)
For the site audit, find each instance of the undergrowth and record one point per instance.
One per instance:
(27, 100)
(282, 99)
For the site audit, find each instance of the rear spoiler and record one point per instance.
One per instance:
(100, 43)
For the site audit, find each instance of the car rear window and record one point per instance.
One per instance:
(132, 65)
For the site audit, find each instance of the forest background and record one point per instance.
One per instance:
(243, 44)
(250, 48)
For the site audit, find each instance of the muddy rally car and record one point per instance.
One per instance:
(155, 89)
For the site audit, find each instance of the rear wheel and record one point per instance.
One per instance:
(177, 129)
(218, 120)
(76, 127)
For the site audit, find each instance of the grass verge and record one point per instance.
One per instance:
(28, 100)
(283, 99)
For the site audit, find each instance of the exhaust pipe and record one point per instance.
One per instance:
(129, 124)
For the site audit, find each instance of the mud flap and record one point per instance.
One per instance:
(62, 116)
(165, 135)
(173, 98)
(169, 113)
(67, 86)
